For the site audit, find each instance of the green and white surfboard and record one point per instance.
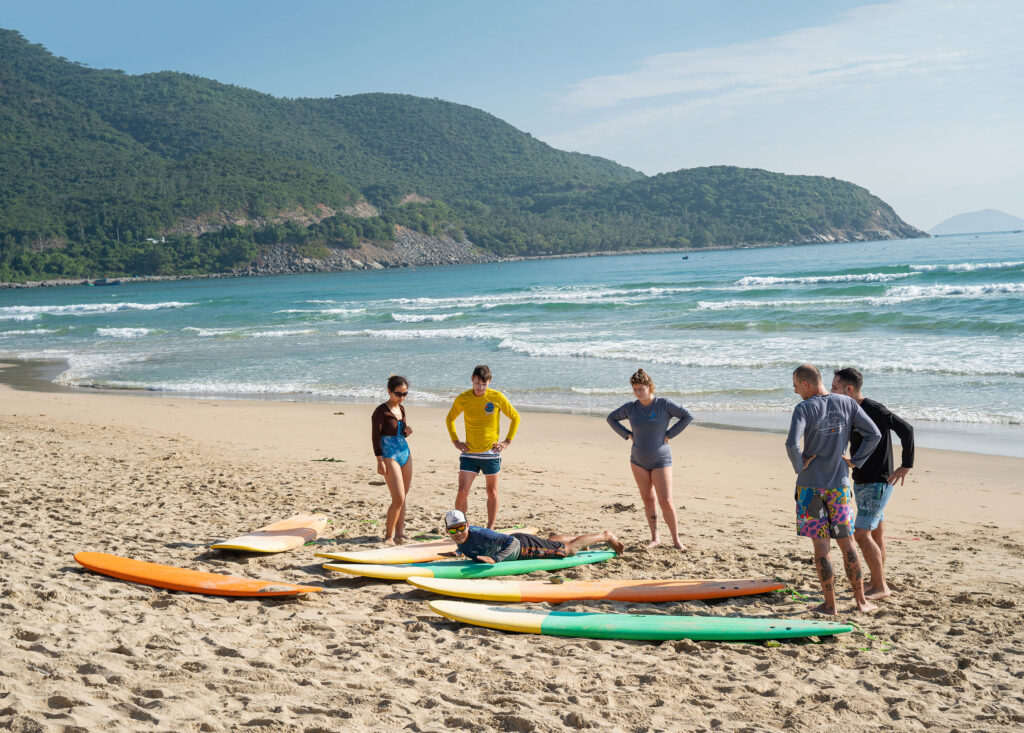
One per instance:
(633, 626)
(467, 568)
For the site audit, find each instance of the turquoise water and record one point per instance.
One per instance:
(936, 325)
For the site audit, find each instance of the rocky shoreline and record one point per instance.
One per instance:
(414, 249)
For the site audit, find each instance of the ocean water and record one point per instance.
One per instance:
(936, 325)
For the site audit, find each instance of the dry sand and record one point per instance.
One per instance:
(160, 479)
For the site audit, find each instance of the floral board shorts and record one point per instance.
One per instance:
(823, 513)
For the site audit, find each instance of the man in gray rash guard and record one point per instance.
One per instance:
(824, 421)
(651, 458)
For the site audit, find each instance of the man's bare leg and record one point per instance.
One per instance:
(575, 543)
(826, 576)
(877, 588)
(854, 573)
(878, 535)
(466, 479)
(491, 483)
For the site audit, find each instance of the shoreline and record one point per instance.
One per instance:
(400, 264)
(967, 438)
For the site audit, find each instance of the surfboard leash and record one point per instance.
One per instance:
(884, 645)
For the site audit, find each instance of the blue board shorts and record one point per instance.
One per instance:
(487, 466)
(871, 501)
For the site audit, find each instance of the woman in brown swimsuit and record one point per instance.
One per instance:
(394, 462)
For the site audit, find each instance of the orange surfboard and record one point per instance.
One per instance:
(633, 591)
(190, 581)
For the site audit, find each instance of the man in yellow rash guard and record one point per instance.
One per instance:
(481, 452)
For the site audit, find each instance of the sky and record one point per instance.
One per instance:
(920, 101)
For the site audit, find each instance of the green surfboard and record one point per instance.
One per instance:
(633, 626)
(467, 568)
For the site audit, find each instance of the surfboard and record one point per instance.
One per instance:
(632, 626)
(402, 554)
(633, 591)
(468, 568)
(190, 581)
(279, 536)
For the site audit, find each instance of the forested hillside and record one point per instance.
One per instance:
(110, 174)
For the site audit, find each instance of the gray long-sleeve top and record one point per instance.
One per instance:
(650, 427)
(825, 423)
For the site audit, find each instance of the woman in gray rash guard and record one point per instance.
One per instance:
(651, 457)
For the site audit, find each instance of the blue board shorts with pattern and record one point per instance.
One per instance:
(823, 513)
(871, 501)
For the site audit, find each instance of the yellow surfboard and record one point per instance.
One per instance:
(411, 552)
(279, 536)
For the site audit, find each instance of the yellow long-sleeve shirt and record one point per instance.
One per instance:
(480, 415)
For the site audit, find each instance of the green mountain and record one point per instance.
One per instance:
(110, 174)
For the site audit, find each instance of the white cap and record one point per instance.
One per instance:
(453, 518)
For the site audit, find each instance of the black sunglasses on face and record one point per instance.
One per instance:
(399, 394)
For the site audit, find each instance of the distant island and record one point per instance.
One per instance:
(166, 174)
(976, 222)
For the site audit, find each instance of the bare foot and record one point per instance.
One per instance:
(874, 594)
(400, 540)
(825, 609)
(616, 544)
(679, 545)
(653, 543)
(389, 542)
(866, 606)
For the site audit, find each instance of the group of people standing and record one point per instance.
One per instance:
(824, 426)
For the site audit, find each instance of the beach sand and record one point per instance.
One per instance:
(159, 479)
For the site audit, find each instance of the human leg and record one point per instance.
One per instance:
(878, 535)
(662, 479)
(647, 495)
(583, 541)
(400, 522)
(491, 483)
(826, 576)
(871, 500)
(466, 479)
(395, 480)
(877, 588)
(854, 573)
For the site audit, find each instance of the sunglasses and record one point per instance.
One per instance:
(457, 528)
(399, 394)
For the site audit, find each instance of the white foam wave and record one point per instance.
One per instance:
(123, 333)
(282, 334)
(412, 318)
(209, 331)
(30, 332)
(893, 296)
(867, 277)
(967, 266)
(466, 332)
(568, 295)
(19, 317)
(87, 308)
(325, 311)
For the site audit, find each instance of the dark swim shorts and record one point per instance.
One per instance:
(531, 547)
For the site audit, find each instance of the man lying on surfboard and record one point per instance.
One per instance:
(486, 545)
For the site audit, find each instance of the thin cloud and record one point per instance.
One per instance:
(868, 44)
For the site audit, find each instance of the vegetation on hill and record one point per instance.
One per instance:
(104, 172)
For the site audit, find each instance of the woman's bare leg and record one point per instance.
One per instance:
(643, 482)
(662, 479)
(400, 522)
(395, 480)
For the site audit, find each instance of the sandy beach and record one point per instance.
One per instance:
(160, 479)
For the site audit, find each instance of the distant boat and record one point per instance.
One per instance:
(686, 257)
(107, 281)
